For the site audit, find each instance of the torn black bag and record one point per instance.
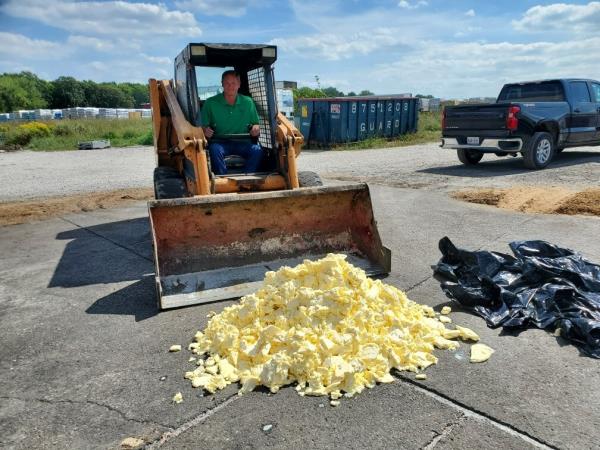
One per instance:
(543, 285)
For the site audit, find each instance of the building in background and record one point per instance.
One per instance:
(285, 97)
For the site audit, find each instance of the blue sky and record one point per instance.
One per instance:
(447, 48)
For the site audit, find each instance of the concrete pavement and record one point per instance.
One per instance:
(85, 361)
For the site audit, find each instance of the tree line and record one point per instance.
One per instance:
(26, 90)
(306, 92)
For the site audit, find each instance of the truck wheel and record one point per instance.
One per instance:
(469, 157)
(540, 151)
(309, 179)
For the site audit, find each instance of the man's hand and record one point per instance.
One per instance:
(208, 132)
(254, 131)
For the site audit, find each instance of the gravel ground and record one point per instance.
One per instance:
(430, 167)
(27, 174)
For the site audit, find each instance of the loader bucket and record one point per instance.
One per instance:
(217, 247)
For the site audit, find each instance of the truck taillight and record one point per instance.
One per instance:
(444, 119)
(511, 119)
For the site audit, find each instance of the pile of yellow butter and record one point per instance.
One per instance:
(323, 325)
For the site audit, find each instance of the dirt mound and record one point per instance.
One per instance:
(536, 199)
(12, 213)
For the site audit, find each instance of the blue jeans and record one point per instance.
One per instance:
(218, 150)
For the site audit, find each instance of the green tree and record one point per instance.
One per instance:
(332, 92)
(67, 93)
(306, 92)
(109, 95)
(137, 91)
(351, 94)
(23, 91)
(365, 92)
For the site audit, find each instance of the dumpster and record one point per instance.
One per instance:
(325, 122)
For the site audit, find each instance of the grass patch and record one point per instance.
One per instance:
(66, 134)
(428, 130)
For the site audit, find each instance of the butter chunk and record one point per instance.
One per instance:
(480, 353)
(178, 398)
(466, 334)
(175, 348)
(446, 310)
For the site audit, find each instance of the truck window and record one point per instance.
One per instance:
(596, 92)
(579, 92)
(551, 91)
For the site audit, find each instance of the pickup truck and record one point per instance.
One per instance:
(536, 119)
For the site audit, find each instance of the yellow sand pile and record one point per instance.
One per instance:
(323, 324)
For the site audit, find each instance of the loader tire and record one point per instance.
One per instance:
(309, 179)
(168, 183)
(163, 172)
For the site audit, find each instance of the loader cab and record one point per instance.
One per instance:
(198, 70)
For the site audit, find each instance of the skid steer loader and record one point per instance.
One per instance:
(215, 236)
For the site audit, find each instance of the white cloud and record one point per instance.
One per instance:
(467, 31)
(412, 5)
(230, 8)
(336, 47)
(160, 60)
(21, 47)
(99, 45)
(561, 16)
(123, 70)
(114, 18)
(99, 66)
(473, 69)
(470, 13)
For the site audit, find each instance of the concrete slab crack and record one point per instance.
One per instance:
(107, 239)
(417, 284)
(90, 402)
(480, 416)
(191, 423)
(445, 432)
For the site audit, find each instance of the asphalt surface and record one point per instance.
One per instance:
(85, 362)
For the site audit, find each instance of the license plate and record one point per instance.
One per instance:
(472, 140)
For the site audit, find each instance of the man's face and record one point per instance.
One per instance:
(231, 84)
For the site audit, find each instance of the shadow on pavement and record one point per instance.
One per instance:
(137, 299)
(494, 166)
(106, 253)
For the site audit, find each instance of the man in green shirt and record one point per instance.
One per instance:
(231, 113)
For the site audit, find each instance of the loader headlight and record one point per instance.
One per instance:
(269, 52)
(198, 50)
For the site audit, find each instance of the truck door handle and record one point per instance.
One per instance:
(577, 110)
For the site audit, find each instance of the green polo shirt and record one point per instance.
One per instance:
(224, 118)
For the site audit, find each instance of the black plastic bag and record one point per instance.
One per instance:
(543, 285)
